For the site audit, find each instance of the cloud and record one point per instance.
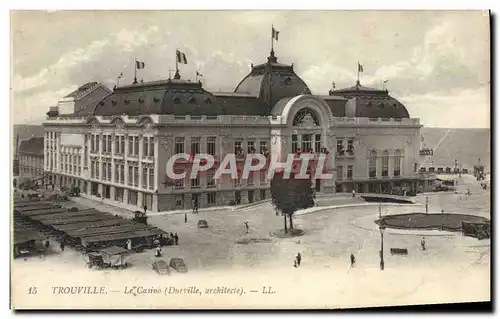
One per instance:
(428, 58)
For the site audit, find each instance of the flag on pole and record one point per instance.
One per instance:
(275, 34)
(139, 65)
(360, 67)
(181, 57)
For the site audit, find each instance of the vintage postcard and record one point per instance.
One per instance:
(249, 159)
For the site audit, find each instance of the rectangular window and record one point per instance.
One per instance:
(179, 201)
(211, 145)
(117, 144)
(179, 183)
(340, 147)
(350, 147)
(130, 175)
(145, 146)
(262, 194)
(238, 149)
(104, 170)
(195, 145)
(397, 165)
(109, 144)
(385, 166)
(117, 173)
(122, 144)
(340, 173)
(145, 172)
(132, 198)
(306, 142)
(130, 145)
(151, 178)
(92, 143)
(210, 179)
(119, 194)
(263, 147)
(136, 176)
(109, 172)
(295, 143)
(250, 147)
(151, 149)
(211, 198)
(349, 171)
(136, 145)
(262, 176)
(195, 182)
(179, 145)
(122, 173)
(317, 143)
(97, 143)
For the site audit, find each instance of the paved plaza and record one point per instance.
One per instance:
(333, 230)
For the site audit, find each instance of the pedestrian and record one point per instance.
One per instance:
(62, 245)
(176, 238)
(299, 258)
(129, 244)
(353, 260)
(158, 252)
(145, 209)
(185, 217)
(156, 241)
(247, 227)
(353, 193)
(47, 244)
(442, 211)
(422, 243)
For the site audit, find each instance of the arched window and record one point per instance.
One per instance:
(385, 164)
(372, 165)
(397, 162)
(306, 117)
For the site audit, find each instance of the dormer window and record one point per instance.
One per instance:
(127, 102)
(156, 100)
(288, 80)
(208, 101)
(369, 104)
(101, 103)
(141, 100)
(177, 100)
(113, 102)
(381, 105)
(394, 105)
(192, 100)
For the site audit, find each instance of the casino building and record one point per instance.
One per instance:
(116, 149)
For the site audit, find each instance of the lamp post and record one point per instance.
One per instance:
(379, 211)
(426, 204)
(382, 230)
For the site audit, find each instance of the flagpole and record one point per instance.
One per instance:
(135, 71)
(176, 62)
(272, 37)
(358, 71)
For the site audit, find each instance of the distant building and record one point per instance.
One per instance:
(118, 148)
(87, 95)
(30, 157)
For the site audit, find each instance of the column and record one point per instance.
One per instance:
(140, 200)
(141, 154)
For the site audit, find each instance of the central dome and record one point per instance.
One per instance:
(271, 82)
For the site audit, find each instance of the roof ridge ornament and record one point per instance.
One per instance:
(272, 58)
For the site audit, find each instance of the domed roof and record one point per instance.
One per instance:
(371, 102)
(271, 82)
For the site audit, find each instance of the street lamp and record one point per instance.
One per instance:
(382, 230)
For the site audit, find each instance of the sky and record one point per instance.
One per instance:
(437, 63)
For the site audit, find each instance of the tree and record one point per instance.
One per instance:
(290, 195)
